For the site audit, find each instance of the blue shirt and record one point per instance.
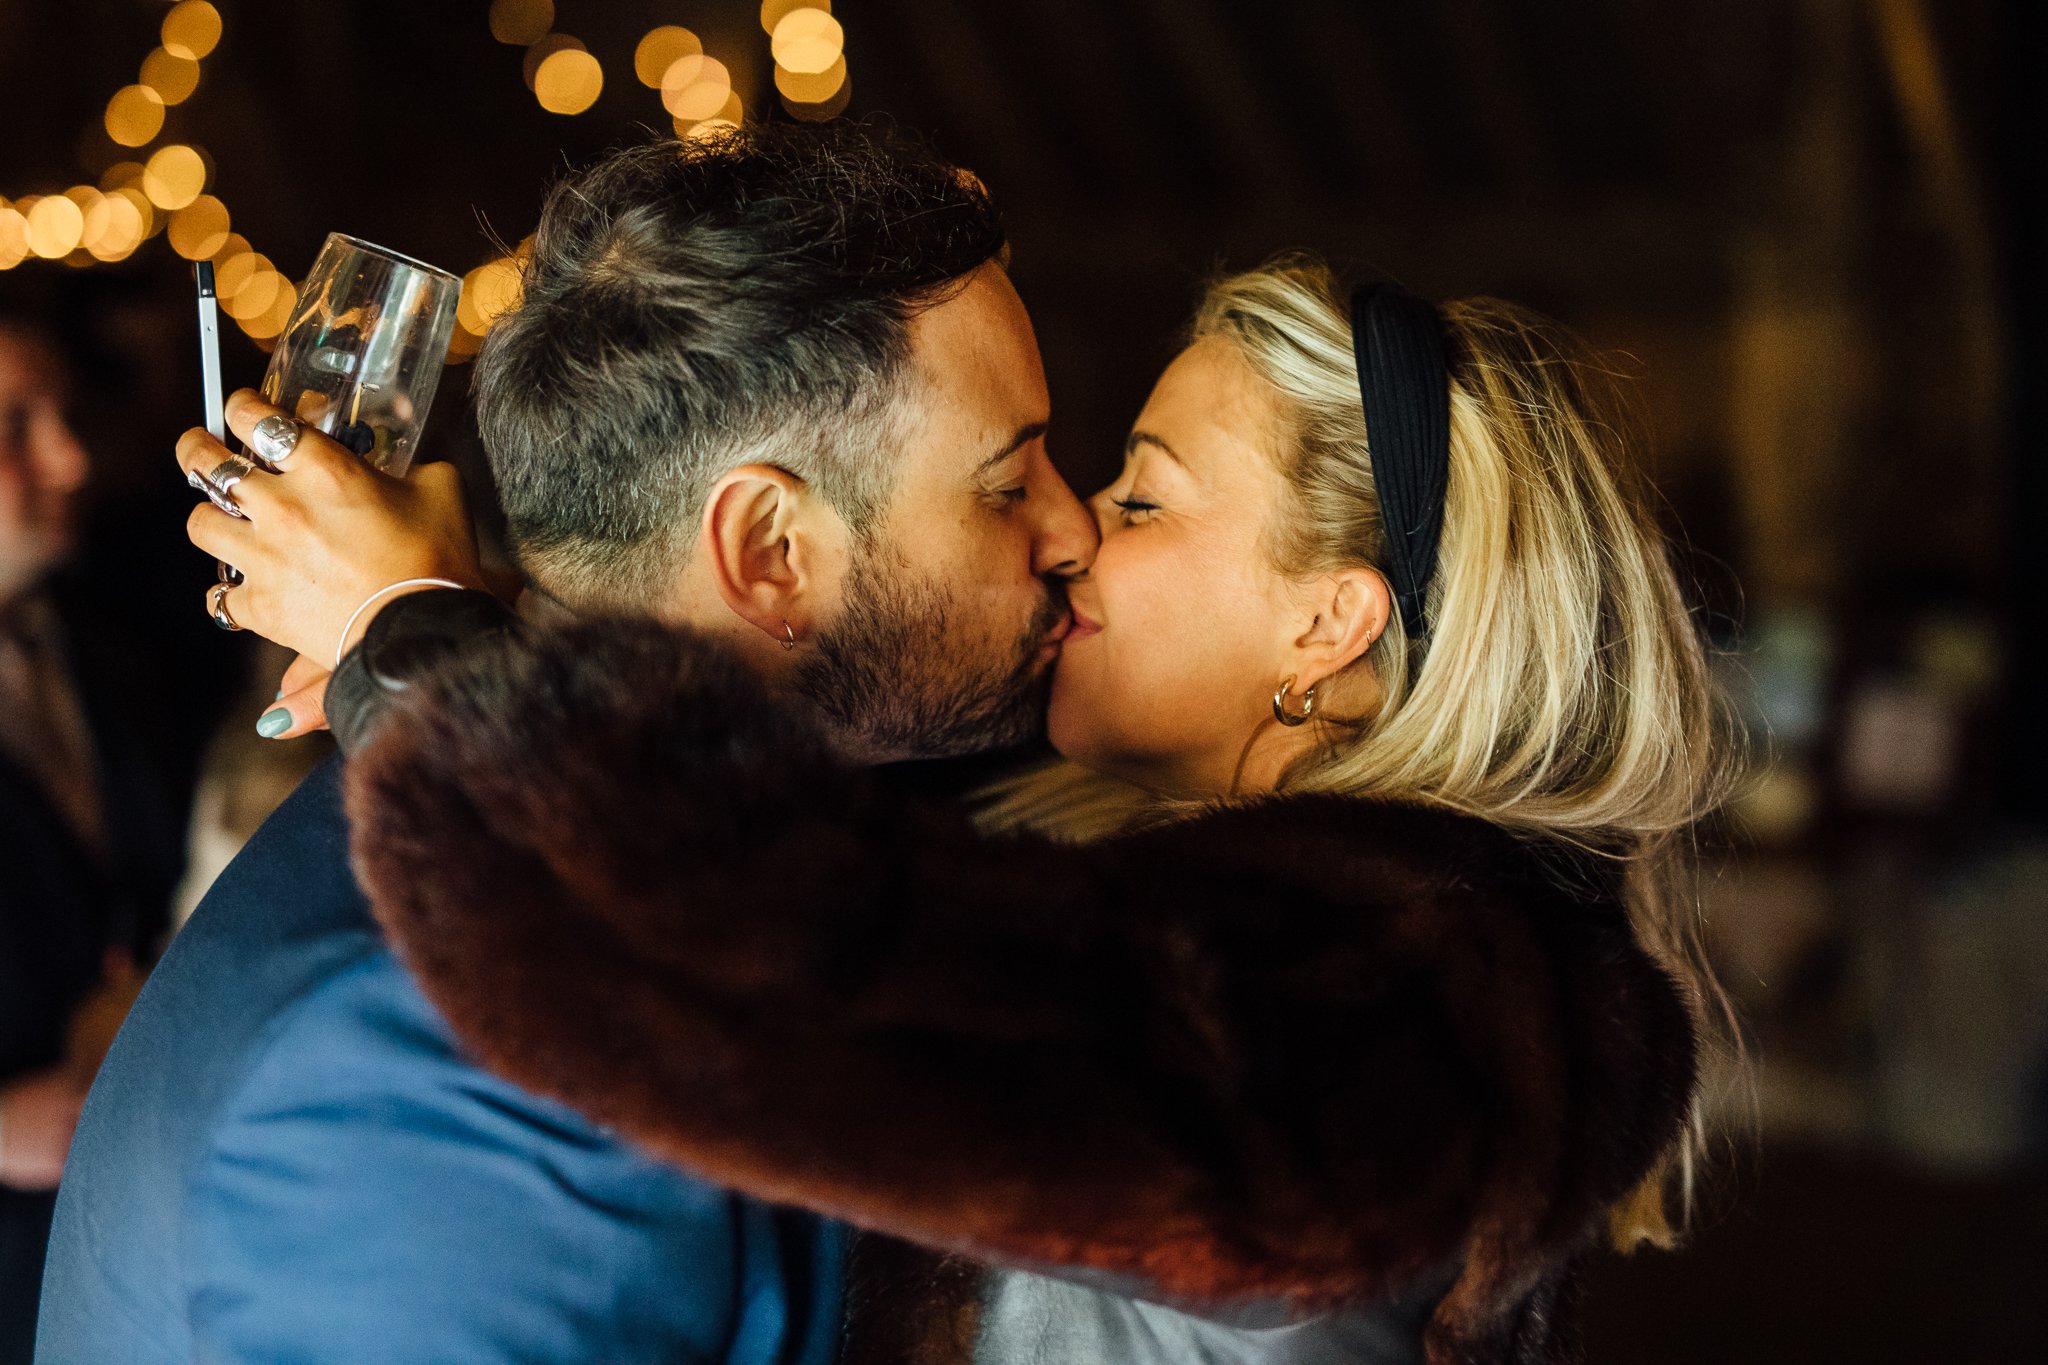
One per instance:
(287, 1158)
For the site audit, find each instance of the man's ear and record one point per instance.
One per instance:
(1349, 609)
(767, 539)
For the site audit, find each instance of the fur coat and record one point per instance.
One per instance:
(1306, 1050)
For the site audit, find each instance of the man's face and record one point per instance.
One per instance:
(954, 608)
(41, 463)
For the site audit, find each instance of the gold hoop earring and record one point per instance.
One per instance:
(1292, 718)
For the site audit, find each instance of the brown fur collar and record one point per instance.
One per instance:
(1307, 1049)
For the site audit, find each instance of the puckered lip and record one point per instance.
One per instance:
(1081, 626)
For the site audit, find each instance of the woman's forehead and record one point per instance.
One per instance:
(1209, 414)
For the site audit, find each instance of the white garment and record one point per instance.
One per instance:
(1032, 1320)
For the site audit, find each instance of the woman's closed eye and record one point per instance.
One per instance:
(1135, 509)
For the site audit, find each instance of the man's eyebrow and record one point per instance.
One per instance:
(1024, 437)
(1139, 438)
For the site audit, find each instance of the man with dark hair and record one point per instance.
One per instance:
(775, 385)
(796, 332)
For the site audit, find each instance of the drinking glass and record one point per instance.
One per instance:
(362, 354)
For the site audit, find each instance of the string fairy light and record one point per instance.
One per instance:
(136, 200)
(165, 192)
(809, 46)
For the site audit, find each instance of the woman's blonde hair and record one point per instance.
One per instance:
(1564, 689)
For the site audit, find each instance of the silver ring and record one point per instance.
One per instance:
(219, 483)
(274, 438)
(217, 605)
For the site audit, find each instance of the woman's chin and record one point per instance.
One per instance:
(1073, 715)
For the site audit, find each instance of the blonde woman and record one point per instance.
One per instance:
(1332, 999)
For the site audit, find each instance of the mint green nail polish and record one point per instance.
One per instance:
(274, 723)
(279, 696)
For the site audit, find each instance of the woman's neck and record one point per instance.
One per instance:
(1225, 772)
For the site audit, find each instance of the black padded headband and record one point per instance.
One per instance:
(1404, 381)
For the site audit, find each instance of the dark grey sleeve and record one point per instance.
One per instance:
(404, 641)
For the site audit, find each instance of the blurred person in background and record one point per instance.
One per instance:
(87, 830)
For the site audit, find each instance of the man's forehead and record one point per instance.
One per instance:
(978, 333)
(978, 367)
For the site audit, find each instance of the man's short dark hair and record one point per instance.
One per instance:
(691, 307)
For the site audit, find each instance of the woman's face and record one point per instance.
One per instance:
(1182, 628)
(41, 463)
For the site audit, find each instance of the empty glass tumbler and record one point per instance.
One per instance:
(363, 352)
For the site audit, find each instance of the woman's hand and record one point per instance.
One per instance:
(323, 534)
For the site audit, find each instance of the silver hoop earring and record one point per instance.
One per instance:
(1293, 718)
(788, 637)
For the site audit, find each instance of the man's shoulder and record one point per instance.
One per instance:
(283, 1095)
(283, 918)
(366, 1186)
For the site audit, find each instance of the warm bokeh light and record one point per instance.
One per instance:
(135, 115)
(200, 228)
(174, 176)
(695, 88)
(268, 324)
(152, 221)
(191, 30)
(174, 78)
(120, 175)
(542, 50)
(730, 114)
(709, 127)
(55, 226)
(13, 237)
(808, 41)
(86, 197)
(520, 22)
(661, 49)
(487, 291)
(463, 345)
(820, 113)
(568, 82)
(774, 12)
(235, 274)
(811, 87)
(113, 228)
(255, 294)
(235, 245)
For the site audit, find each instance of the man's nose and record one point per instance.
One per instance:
(1067, 538)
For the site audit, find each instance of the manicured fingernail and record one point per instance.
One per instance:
(274, 723)
(279, 696)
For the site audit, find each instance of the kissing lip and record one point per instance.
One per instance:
(1082, 627)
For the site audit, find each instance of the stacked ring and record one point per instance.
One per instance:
(274, 439)
(217, 606)
(219, 483)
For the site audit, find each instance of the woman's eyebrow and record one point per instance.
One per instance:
(1139, 438)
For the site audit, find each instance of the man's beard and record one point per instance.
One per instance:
(893, 680)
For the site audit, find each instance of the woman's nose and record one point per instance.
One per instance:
(59, 459)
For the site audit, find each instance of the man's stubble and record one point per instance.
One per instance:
(894, 676)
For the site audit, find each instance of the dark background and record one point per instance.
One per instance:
(1802, 226)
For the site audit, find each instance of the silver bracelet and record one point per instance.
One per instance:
(387, 588)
